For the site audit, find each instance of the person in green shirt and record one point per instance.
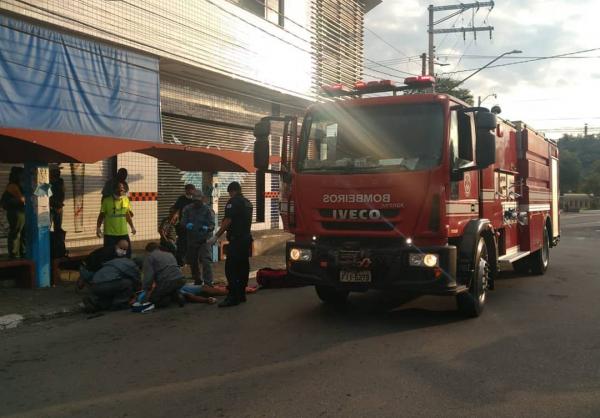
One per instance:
(115, 213)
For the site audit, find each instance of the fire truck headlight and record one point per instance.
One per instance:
(423, 260)
(300, 254)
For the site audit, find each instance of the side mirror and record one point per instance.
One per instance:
(261, 154)
(262, 130)
(486, 149)
(485, 121)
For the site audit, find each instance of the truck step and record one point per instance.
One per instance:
(506, 261)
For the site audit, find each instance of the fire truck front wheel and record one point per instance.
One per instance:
(472, 302)
(331, 295)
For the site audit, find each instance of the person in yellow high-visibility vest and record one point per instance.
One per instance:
(115, 213)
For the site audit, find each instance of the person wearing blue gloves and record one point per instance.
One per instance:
(199, 222)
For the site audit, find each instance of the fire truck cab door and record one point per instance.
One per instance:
(289, 142)
(463, 204)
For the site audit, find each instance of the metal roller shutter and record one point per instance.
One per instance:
(4, 171)
(83, 195)
(209, 134)
(83, 186)
(170, 187)
(248, 182)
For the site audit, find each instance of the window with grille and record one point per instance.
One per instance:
(271, 10)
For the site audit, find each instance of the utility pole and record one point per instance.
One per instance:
(585, 130)
(423, 63)
(460, 8)
(431, 46)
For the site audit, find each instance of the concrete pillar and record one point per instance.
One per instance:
(37, 214)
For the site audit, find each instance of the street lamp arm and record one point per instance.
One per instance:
(514, 51)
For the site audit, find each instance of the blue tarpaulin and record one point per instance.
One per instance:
(58, 82)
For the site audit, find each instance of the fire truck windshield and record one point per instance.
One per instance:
(372, 138)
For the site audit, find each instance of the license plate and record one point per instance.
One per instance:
(359, 276)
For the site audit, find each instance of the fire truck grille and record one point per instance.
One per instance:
(348, 257)
(358, 226)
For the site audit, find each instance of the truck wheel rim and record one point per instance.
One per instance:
(483, 277)
(545, 250)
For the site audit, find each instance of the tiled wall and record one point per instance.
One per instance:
(143, 188)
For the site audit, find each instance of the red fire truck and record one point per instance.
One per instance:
(412, 191)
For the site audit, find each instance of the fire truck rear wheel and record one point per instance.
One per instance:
(331, 295)
(541, 258)
(471, 303)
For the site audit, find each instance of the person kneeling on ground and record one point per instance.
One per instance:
(161, 271)
(94, 261)
(113, 285)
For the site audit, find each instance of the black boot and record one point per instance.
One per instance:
(242, 290)
(233, 295)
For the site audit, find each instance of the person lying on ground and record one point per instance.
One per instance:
(206, 294)
(112, 286)
(162, 277)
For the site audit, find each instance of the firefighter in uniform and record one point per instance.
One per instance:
(237, 223)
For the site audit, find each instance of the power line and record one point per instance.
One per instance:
(576, 118)
(385, 66)
(513, 58)
(446, 35)
(394, 61)
(383, 72)
(466, 49)
(407, 60)
(525, 61)
(386, 42)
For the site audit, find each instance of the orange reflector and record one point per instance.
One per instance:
(323, 264)
(360, 85)
(437, 272)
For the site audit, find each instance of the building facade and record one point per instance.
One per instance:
(223, 65)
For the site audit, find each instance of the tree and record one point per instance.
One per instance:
(570, 171)
(580, 163)
(447, 85)
(591, 184)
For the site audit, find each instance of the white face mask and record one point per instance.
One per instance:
(121, 252)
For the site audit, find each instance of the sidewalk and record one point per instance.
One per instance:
(18, 305)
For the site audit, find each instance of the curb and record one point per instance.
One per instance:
(14, 320)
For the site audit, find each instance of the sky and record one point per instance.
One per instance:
(551, 95)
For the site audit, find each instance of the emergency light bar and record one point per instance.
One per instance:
(420, 81)
(362, 87)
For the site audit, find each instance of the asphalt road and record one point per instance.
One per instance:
(534, 352)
